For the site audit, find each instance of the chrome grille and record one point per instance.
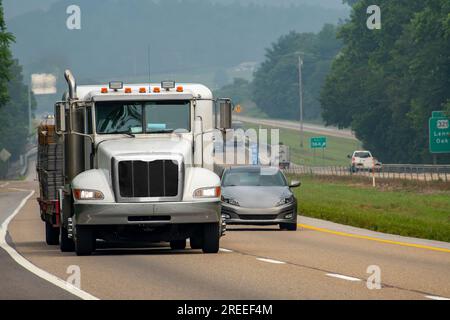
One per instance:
(148, 179)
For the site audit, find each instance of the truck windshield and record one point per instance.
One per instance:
(113, 117)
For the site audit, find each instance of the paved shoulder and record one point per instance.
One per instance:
(17, 282)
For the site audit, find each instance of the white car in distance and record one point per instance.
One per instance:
(364, 161)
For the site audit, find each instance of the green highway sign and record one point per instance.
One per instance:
(439, 133)
(318, 142)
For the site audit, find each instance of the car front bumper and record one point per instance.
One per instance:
(147, 213)
(260, 216)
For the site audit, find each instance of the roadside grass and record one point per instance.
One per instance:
(407, 210)
(334, 155)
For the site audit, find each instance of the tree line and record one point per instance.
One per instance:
(13, 98)
(383, 84)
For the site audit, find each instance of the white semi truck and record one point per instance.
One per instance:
(137, 166)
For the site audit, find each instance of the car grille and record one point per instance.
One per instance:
(257, 217)
(148, 179)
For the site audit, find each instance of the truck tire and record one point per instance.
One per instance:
(65, 243)
(84, 241)
(178, 244)
(211, 238)
(196, 242)
(51, 234)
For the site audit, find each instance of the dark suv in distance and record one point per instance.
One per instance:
(256, 195)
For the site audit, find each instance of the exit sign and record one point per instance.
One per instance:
(318, 142)
(439, 133)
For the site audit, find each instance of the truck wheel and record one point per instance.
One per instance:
(211, 238)
(65, 243)
(84, 241)
(51, 234)
(178, 244)
(196, 242)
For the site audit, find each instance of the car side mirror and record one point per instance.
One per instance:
(295, 184)
(349, 156)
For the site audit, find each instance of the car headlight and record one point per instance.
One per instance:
(83, 194)
(230, 201)
(285, 201)
(211, 192)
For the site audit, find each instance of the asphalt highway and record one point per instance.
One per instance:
(254, 263)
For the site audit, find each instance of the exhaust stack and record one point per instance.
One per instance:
(71, 83)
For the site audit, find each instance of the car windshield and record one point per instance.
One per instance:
(362, 155)
(264, 177)
(115, 117)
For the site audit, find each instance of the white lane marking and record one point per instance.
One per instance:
(31, 267)
(225, 250)
(437, 298)
(17, 189)
(4, 184)
(340, 276)
(270, 261)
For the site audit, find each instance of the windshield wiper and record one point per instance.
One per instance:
(161, 131)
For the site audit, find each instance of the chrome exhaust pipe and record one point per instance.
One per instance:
(71, 83)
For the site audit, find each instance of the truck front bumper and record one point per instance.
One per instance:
(147, 213)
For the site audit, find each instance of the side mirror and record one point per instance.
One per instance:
(60, 117)
(226, 110)
(349, 156)
(295, 184)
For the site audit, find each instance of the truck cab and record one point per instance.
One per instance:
(138, 163)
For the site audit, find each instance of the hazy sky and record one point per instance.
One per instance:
(14, 8)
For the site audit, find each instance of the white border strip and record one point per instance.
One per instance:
(340, 276)
(31, 267)
(270, 261)
(437, 298)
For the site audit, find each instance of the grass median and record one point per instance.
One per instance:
(334, 155)
(412, 210)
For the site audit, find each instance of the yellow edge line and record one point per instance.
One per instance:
(373, 239)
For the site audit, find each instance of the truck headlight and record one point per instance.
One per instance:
(211, 192)
(83, 194)
(285, 201)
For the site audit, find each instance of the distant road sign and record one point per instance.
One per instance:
(439, 133)
(5, 155)
(318, 142)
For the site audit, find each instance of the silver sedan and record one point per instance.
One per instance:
(255, 195)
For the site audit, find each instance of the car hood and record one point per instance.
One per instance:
(256, 197)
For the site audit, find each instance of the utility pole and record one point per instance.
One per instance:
(30, 124)
(300, 82)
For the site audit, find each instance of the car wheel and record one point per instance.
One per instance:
(84, 241)
(211, 238)
(51, 234)
(178, 244)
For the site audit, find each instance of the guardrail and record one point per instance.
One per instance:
(386, 171)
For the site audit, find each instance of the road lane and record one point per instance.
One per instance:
(248, 272)
(15, 281)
